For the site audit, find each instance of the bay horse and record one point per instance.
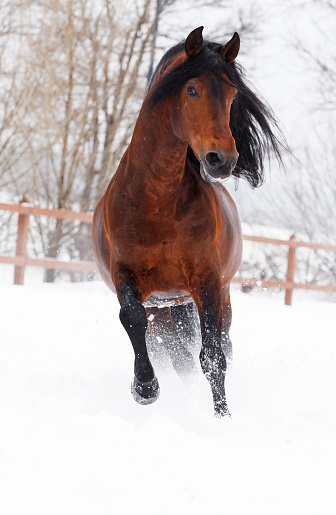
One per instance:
(167, 232)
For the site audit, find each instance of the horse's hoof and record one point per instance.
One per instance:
(223, 414)
(145, 393)
(221, 411)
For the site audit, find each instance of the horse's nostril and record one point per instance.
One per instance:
(232, 163)
(213, 159)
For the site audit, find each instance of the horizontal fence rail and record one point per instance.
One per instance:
(21, 260)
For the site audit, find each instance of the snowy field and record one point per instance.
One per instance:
(73, 441)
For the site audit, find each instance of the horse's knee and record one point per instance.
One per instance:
(212, 361)
(133, 317)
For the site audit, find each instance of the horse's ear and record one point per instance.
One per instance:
(231, 49)
(194, 42)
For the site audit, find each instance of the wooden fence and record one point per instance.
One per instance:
(21, 260)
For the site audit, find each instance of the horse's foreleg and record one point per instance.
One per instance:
(212, 359)
(145, 386)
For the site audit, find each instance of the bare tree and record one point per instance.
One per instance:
(318, 55)
(304, 201)
(70, 94)
(15, 93)
(87, 59)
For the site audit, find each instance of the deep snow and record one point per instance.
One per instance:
(73, 441)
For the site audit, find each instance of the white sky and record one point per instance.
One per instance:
(272, 64)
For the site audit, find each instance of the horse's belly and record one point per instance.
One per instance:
(167, 299)
(231, 245)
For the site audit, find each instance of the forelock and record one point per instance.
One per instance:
(165, 83)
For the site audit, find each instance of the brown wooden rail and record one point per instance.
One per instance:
(21, 260)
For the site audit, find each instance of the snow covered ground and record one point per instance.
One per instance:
(73, 441)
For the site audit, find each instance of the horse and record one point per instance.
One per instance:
(166, 232)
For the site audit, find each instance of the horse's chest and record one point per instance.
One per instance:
(145, 234)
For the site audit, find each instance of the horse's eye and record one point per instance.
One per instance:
(192, 92)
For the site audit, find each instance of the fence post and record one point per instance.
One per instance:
(21, 244)
(290, 271)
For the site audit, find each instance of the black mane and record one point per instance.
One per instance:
(252, 121)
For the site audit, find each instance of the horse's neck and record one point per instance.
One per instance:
(157, 157)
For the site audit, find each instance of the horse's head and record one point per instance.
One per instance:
(200, 111)
(200, 80)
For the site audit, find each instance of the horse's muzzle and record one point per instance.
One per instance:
(218, 166)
